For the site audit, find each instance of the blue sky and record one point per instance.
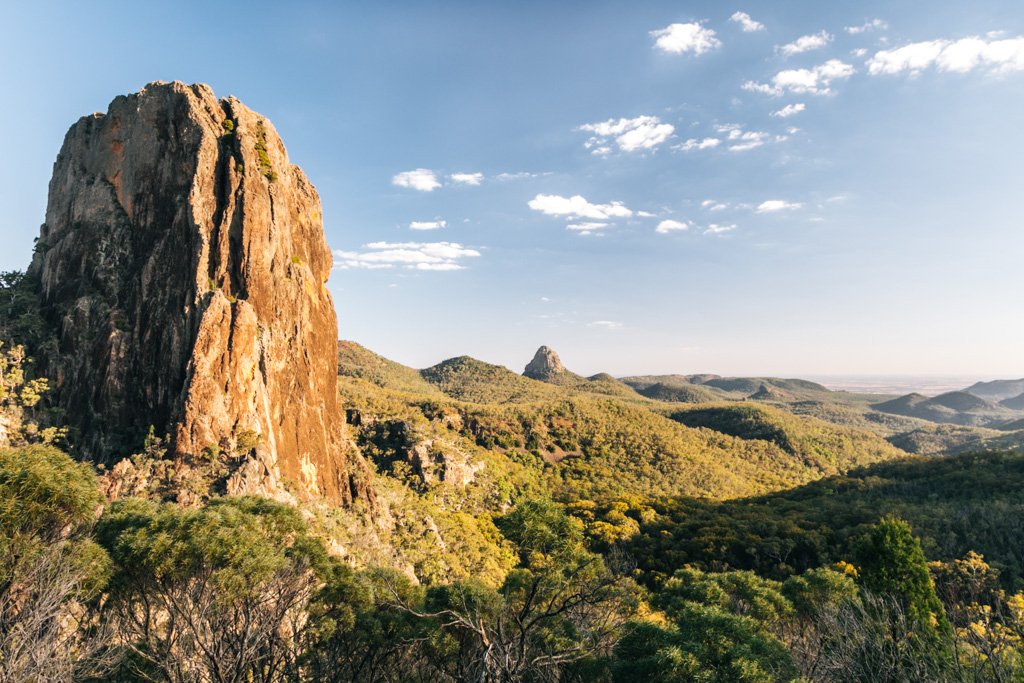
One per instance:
(797, 188)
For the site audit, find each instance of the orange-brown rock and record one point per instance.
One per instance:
(183, 265)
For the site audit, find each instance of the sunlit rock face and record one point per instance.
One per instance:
(545, 365)
(183, 266)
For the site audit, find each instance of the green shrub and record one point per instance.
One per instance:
(261, 151)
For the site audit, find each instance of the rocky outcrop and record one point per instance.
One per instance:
(183, 267)
(545, 366)
(435, 461)
(769, 393)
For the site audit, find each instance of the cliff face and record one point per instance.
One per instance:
(183, 265)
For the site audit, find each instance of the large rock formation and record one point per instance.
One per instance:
(545, 366)
(183, 265)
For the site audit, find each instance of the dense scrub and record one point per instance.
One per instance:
(957, 504)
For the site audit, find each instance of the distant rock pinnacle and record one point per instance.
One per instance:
(545, 365)
(768, 393)
(183, 266)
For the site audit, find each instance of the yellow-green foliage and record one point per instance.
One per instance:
(955, 504)
(359, 362)
(47, 504)
(19, 397)
(584, 446)
(266, 168)
(468, 379)
(826, 447)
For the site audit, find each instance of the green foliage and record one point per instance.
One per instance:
(820, 590)
(266, 168)
(358, 362)
(47, 502)
(561, 605)
(720, 630)
(360, 633)
(222, 588)
(468, 379)
(238, 541)
(741, 592)
(21, 414)
(956, 504)
(890, 562)
(50, 566)
(246, 441)
(43, 492)
(229, 126)
(21, 319)
(826, 447)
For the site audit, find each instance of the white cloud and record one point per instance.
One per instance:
(577, 207)
(682, 38)
(645, 214)
(642, 132)
(806, 43)
(816, 80)
(467, 178)
(713, 205)
(859, 52)
(740, 140)
(868, 26)
(519, 175)
(773, 205)
(428, 225)
(789, 110)
(746, 23)
(422, 179)
(960, 56)
(669, 225)
(716, 229)
(748, 140)
(413, 255)
(586, 228)
(606, 324)
(694, 143)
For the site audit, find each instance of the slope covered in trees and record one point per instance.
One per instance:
(956, 504)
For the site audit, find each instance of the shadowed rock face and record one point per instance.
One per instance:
(545, 365)
(183, 265)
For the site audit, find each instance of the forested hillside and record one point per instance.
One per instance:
(544, 531)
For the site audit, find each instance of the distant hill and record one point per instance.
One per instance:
(546, 366)
(948, 439)
(475, 381)
(355, 360)
(955, 407)
(1013, 425)
(469, 379)
(683, 393)
(997, 390)
(750, 385)
(905, 421)
(962, 401)
(642, 381)
(569, 441)
(770, 393)
(688, 388)
(818, 443)
(1015, 403)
